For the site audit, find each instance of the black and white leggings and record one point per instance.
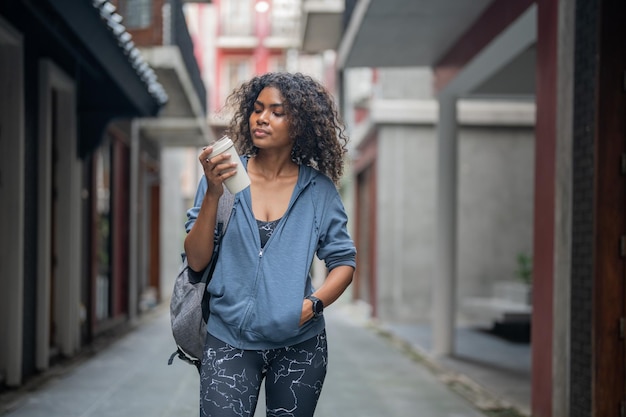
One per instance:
(230, 378)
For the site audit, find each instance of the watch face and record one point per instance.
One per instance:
(318, 307)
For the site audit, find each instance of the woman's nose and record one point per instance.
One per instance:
(262, 118)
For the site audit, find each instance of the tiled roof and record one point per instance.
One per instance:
(125, 40)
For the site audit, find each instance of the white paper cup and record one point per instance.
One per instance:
(240, 180)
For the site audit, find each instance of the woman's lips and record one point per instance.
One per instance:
(260, 133)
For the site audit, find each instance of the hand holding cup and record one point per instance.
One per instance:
(221, 164)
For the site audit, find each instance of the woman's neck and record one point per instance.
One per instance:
(272, 165)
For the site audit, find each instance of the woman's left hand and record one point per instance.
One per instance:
(307, 311)
(334, 285)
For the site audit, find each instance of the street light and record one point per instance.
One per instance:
(262, 6)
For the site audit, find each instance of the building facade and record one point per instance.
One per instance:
(241, 38)
(80, 240)
(393, 117)
(570, 58)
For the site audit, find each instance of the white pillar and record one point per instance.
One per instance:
(444, 286)
(172, 232)
(68, 217)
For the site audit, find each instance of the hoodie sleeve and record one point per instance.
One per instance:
(192, 213)
(336, 247)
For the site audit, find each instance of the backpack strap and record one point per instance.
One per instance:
(224, 211)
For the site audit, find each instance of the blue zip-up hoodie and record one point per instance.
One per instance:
(256, 294)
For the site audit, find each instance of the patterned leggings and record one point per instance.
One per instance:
(230, 378)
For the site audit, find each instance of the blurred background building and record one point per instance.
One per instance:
(92, 92)
(529, 150)
(486, 169)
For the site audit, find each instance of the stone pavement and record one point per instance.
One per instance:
(495, 366)
(369, 376)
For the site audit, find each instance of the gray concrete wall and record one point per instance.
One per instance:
(406, 221)
(405, 83)
(495, 212)
(495, 199)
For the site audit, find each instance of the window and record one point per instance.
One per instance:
(236, 19)
(235, 71)
(277, 63)
(102, 222)
(138, 14)
(285, 18)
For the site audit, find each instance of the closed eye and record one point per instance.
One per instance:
(277, 114)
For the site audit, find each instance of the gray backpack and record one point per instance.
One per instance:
(189, 305)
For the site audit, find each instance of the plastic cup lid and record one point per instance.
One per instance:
(221, 145)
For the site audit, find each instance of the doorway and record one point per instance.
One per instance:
(12, 191)
(59, 218)
(365, 283)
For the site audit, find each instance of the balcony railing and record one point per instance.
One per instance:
(285, 28)
(176, 33)
(237, 25)
(285, 19)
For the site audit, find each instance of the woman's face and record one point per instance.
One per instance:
(269, 124)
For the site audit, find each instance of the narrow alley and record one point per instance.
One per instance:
(368, 375)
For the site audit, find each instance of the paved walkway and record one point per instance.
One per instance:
(494, 365)
(369, 376)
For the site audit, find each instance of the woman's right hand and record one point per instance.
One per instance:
(216, 169)
(199, 240)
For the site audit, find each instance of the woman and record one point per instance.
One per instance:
(266, 318)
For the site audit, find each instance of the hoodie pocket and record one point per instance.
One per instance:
(273, 324)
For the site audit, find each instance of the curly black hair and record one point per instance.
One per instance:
(320, 140)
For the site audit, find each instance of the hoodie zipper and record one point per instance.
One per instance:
(282, 220)
(244, 323)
